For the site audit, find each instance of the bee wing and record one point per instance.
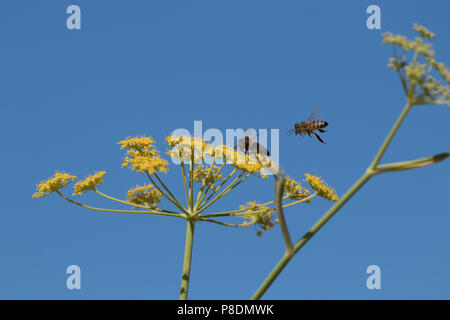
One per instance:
(254, 147)
(241, 144)
(290, 132)
(313, 115)
(258, 148)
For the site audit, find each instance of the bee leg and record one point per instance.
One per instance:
(321, 130)
(317, 136)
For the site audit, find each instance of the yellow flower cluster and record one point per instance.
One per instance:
(260, 215)
(418, 76)
(322, 189)
(89, 183)
(184, 147)
(148, 164)
(138, 143)
(201, 175)
(142, 155)
(144, 195)
(222, 152)
(254, 163)
(294, 190)
(424, 32)
(57, 181)
(250, 163)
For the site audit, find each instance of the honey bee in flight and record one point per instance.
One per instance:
(309, 126)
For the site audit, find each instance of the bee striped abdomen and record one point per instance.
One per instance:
(319, 124)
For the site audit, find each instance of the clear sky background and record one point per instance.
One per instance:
(149, 67)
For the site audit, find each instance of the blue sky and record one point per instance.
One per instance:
(149, 67)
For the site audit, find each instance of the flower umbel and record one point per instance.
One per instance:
(89, 183)
(144, 195)
(186, 148)
(418, 76)
(260, 215)
(294, 190)
(322, 189)
(424, 32)
(142, 155)
(208, 176)
(58, 181)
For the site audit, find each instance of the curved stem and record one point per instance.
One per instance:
(314, 229)
(236, 213)
(187, 259)
(240, 212)
(121, 211)
(273, 201)
(279, 189)
(244, 225)
(300, 201)
(132, 204)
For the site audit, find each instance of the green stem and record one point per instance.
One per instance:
(243, 225)
(183, 172)
(199, 202)
(279, 188)
(232, 185)
(391, 134)
(169, 197)
(120, 211)
(236, 213)
(191, 180)
(300, 201)
(412, 164)
(202, 188)
(133, 204)
(187, 259)
(216, 189)
(314, 229)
